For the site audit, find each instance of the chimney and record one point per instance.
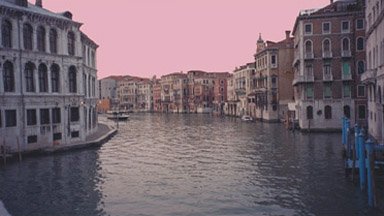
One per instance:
(287, 33)
(39, 3)
(331, 1)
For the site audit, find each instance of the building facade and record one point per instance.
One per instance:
(243, 84)
(48, 91)
(272, 83)
(329, 60)
(374, 76)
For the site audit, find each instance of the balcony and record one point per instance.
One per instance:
(299, 78)
(308, 56)
(369, 76)
(346, 76)
(327, 77)
(346, 53)
(327, 54)
(240, 91)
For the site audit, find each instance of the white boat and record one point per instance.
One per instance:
(246, 118)
(115, 115)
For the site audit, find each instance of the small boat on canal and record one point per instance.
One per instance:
(117, 116)
(246, 118)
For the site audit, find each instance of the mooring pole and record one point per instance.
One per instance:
(355, 152)
(362, 160)
(371, 173)
(343, 131)
(347, 138)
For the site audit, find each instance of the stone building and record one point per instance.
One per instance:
(374, 76)
(230, 107)
(156, 95)
(108, 99)
(144, 96)
(272, 84)
(220, 92)
(48, 91)
(243, 85)
(329, 59)
(173, 98)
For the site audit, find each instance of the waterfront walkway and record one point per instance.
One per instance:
(3, 211)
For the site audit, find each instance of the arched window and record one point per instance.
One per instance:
(29, 77)
(326, 46)
(43, 78)
(6, 34)
(28, 36)
(328, 112)
(8, 77)
(309, 112)
(41, 39)
(347, 111)
(308, 48)
(360, 67)
(379, 94)
(53, 41)
(360, 44)
(72, 73)
(71, 43)
(55, 78)
(345, 44)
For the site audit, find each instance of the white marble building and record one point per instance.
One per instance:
(47, 78)
(374, 76)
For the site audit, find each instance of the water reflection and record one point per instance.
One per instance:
(64, 184)
(190, 165)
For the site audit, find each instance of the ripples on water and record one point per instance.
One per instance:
(189, 165)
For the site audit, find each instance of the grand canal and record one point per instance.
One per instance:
(189, 165)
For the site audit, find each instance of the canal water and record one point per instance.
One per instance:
(189, 165)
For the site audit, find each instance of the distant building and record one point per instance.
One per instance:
(243, 85)
(48, 93)
(230, 107)
(156, 89)
(374, 76)
(172, 96)
(108, 99)
(272, 84)
(220, 92)
(329, 60)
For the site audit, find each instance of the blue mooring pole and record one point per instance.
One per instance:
(347, 131)
(362, 160)
(343, 131)
(370, 173)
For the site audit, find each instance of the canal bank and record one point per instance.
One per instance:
(104, 133)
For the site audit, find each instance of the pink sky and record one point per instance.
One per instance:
(157, 37)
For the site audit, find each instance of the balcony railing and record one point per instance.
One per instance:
(346, 76)
(369, 75)
(327, 54)
(327, 77)
(309, 77)
(308, 56)
(346, 53)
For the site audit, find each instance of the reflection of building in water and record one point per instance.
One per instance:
(64, 184)
(48, 83)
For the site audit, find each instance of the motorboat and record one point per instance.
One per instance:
(116, 115)
(246, 118)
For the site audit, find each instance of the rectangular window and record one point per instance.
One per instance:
(326, 28)
(44, 116)
(273, 60)
(57, 136)
(346, 68)
(347, 90)
(56, 115)
(360, 24)
(362, 112)
(361, 91)
(75, 116)
(75, 134)
(309, 91)
(31, 117)
(327, 90)
(32, 139)
(308, 29)
(10, 118)
(345, 26)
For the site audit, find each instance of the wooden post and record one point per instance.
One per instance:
(362, 160)
(371, 174)
(4, 153)
(18, 148)
(355, 152)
